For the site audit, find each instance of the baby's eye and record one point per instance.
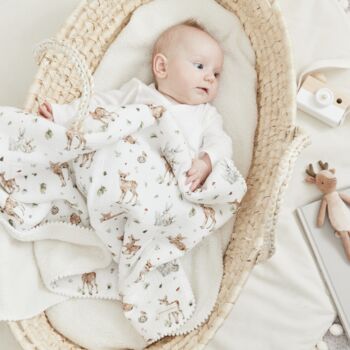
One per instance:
(199, 65)
(216, 75)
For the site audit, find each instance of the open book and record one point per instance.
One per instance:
(331, 258)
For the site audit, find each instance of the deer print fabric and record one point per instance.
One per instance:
(121, 176)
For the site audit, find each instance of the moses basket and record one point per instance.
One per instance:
(91, 29)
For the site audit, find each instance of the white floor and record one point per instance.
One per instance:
(7, 341)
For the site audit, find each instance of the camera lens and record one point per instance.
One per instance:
(324, 97)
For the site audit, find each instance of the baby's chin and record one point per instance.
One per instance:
(198, 100)
(194, 99)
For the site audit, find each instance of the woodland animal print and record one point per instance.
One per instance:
(121, 173)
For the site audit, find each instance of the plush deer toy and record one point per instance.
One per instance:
(338, 212)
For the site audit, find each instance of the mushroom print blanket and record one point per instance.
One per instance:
(114, 189)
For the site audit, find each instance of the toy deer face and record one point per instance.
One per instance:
(325, 179)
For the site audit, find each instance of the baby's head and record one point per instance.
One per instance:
(187, 62)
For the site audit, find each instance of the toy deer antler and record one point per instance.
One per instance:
(324, 166)
(338, 212)
(310, 171)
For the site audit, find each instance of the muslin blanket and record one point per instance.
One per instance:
(114, 187)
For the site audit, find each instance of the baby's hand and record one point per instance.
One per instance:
(199, 171)
(45, 110)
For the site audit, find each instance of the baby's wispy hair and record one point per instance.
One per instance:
(166, 36)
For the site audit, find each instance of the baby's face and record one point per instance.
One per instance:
(193, 66)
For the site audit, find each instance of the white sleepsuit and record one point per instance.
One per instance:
(201, 124)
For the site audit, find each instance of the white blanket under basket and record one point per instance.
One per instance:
(284, 305)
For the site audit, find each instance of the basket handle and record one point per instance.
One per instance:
(82, 69)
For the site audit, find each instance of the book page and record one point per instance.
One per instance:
(330, 256)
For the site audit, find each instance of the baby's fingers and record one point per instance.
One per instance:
(48, 106)
(191, 178)
(192, 171)
(43, 111)
(195, 184)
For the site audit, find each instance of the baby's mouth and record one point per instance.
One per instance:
(203, 89)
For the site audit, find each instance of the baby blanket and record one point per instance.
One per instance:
(114, 188)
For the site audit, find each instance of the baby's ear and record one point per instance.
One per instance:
(160, 65)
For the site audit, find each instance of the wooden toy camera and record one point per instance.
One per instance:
(318, 99)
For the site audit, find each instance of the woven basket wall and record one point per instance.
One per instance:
(91, 29)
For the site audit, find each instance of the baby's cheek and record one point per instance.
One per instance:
(215, 89)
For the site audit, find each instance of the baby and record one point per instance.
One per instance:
(186, 63)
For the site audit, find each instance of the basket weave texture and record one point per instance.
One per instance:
(91, 29)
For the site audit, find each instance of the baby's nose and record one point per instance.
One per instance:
(209, 77)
